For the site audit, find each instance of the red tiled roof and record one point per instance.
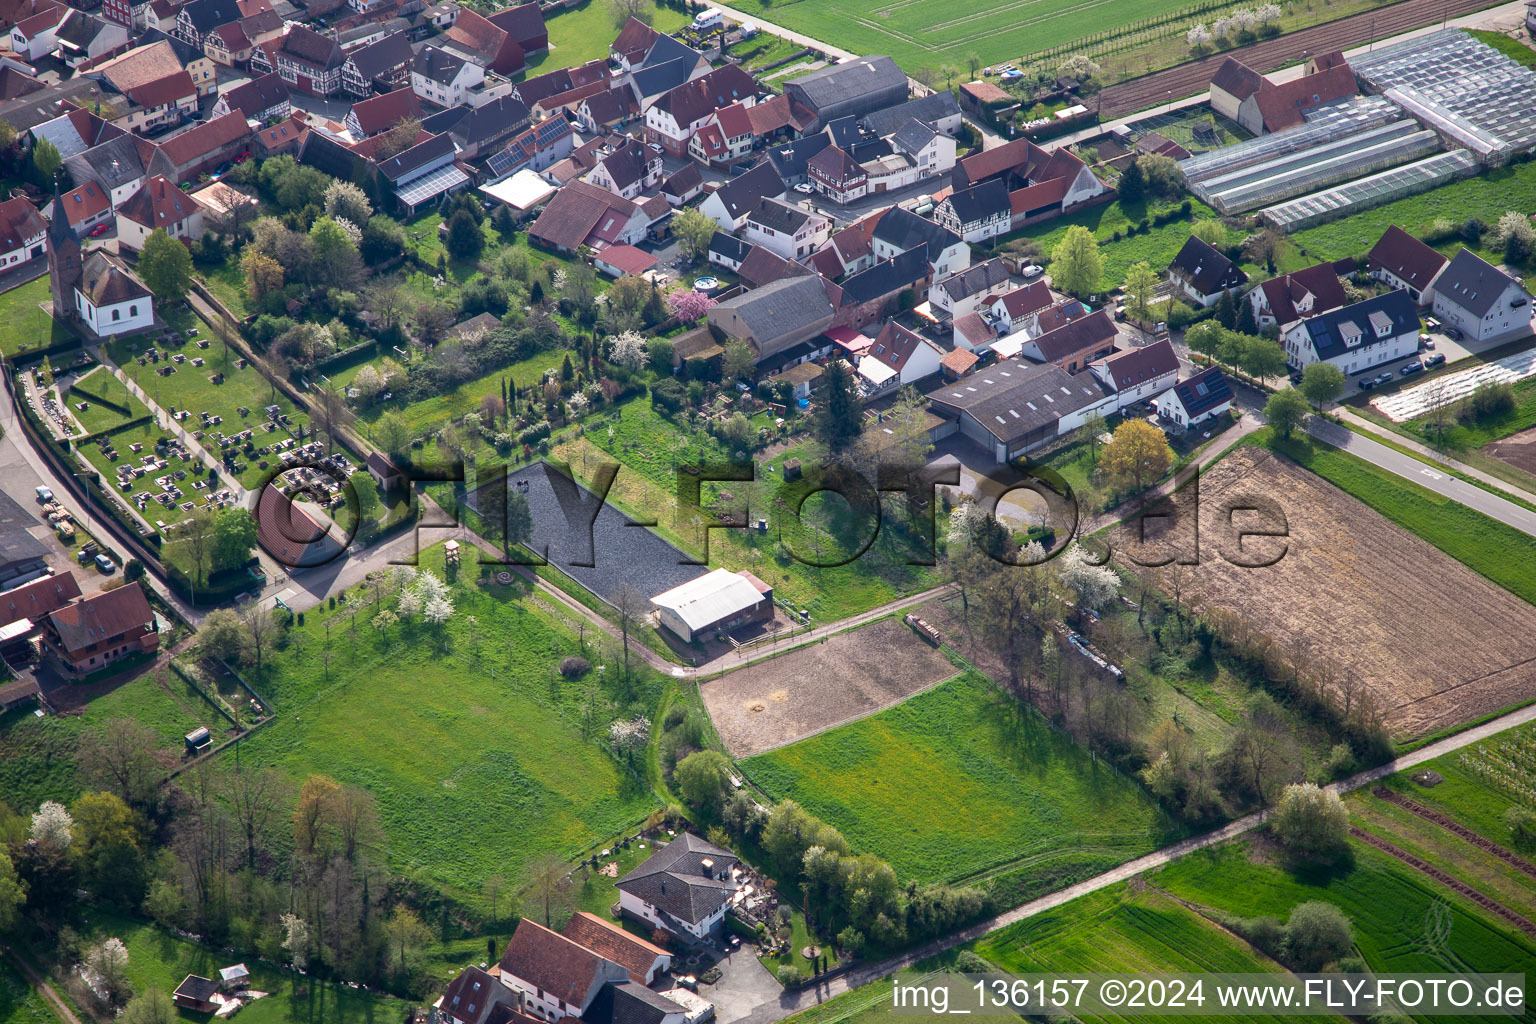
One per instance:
(1026, 300)
(626, 259)
(1320, 281)
(959, 361)
(1138, 365)
(720, 88)
(83, 203)
(711, 141)
(1282, 105)
(576, 212)
(895, 345)
(770, 116)
(19, 222)
(163, 91)
(206, 139)
(630, 952)
(734, 120)
(380, 113)
(1034, 197)
(101, 617)
(548, 960)
(38, 598)
(985, 93)
(158, 203)
(1406, 257)
(974, 328)
(635, 35)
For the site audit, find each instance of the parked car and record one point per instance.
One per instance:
(804, 188)
(1412, 368)
(1384, 377)
(1296, 377)
(1366, 383)
(1438, 359)
(1453, 334)
(100, 229)
(44, 494)
(1032, 271)
(105, 564)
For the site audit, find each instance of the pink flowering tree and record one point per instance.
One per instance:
(689, 305)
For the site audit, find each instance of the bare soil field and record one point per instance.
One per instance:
(1367, 603)
(1518, 450)
(804, 692)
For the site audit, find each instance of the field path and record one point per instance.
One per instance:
(794, 37)
(793, 1002)
(37, 981)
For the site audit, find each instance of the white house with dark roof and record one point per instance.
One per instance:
(900, 230)
(110, 298)
(1191, 402)
(977, 213)
(1203, 275)
(1013, 407)
(628, 169)
(963, 293)
(1357, 337)
(1138, 374)
(686, 887)
(729, 204)
(1480, 300)
(785, 230)
(1402, 261)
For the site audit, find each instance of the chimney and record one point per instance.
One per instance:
(708, 867)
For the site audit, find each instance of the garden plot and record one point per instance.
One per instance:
(1366, 604)
(1451, 388)
(788, 698)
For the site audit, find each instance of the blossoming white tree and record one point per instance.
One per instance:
(629, 350)
(52, 827)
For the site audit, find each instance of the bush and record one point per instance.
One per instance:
(1310, 821)
(970, 962)
(1316, 934)
(791, 976)
(1488, 401)
(1266, 934)
(1341, 760)
(574, 667)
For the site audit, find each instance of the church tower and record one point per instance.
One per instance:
(64, 264)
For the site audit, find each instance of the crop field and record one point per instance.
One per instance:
(953, 782)
(1403, 921)
(1349, 572)
(928, 33)
(1124, 930)
(1479, 783)
(191, 388)
(468, 723)
(814, 688)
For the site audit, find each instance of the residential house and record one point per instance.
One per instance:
(553, 977)
(1013, 407)
(634, 41)
(446, 78)
(379, 67)
(202, 147)
(1480, 300)
(1138, 374)
(1286, 299)
(478, 997)
(623, 261)
(667, 65)
(310, 62)
(36, 599)
(685, 887)
(725, 138)
(1203, 275)
(1074, 344)
(379, 114)
(155, 80)
(976, 213)
(974, 333)
(73, 132)
(962, 293)
(285, 137)
(258, 99)
(83, 37)
(787, 231)
(853, 248)
(937, 109)
(583, 214)
(1196, 399)
(607, 109)
(524, 24)
(1404, 262)
(84, 207)
(1358, 337)
(484, 43)
(898, 357)
(728, 251)
(776, 119)
(481, 130)
(776, 316)
(424, 173)
(1017, 310)
(199, 17)
(1261, 106)
(683, 185)
(197, 994)
(119, 166)
(861, 85)
(93, 632)
(158, 204)
(628, 169)
(880, 291)
(671, 121)
(729, 204)
(541, 146)
(1052, 181)
(22, 232)
(234, 44)
(837, 175)
(36, 36)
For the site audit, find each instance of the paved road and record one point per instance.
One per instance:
(789, 1003)
(1350, 416)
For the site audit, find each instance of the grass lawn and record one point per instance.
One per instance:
(1124, 930)
(19, 1003)
(468, 723)
(37, 754)
(1501, 553)
(227, 283)
(158, 959)
(26, 325)
(582, 34)
(190, 388)
(763, 49)
(1158, 246)
(1404, 922)
(952, 783)
(97, 418)
(1512, 48)
(1486, 196)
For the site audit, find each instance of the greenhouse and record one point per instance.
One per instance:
(1324, 125)
(1340, 159)
(1419, 176)
(1467, 91)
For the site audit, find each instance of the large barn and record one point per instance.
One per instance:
(717, 601)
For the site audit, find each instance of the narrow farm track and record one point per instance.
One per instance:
(37, 981)
(1346, 33)
(1493, 906)
(1456, 828)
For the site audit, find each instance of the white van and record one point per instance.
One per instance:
(708, 20)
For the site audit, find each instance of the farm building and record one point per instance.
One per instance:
(685, 887)
(717, 601)
(1012, 407)
(1259, 105)
(643, 960)
(551, 976)
(19, 693)
(859, 86)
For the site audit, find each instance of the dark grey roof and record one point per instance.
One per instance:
(325, 153)
(931, 108)
(1207, 270)
(420, 157)
(912, 137)
(975, 279)
(742, 193)
(779, 216)
(887, 277)
(27, 112)
(675, 878)
(839, 83)
(1472, 283)
(1204, 391)
(980, 201)
(729, 246)
(781, 308)
(184, 51)
(629, 1003)
(197, 988)
(664, 77)
(626, 164)
(905, 230)
(16, 544)
(111, 164)
(790, 159)
(375, 59)
(438, 65)
(665, 49)
(1331, 332)
(478, 126)
(1011, 400)
(79, 29)
(207, 15)
(844, 132)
